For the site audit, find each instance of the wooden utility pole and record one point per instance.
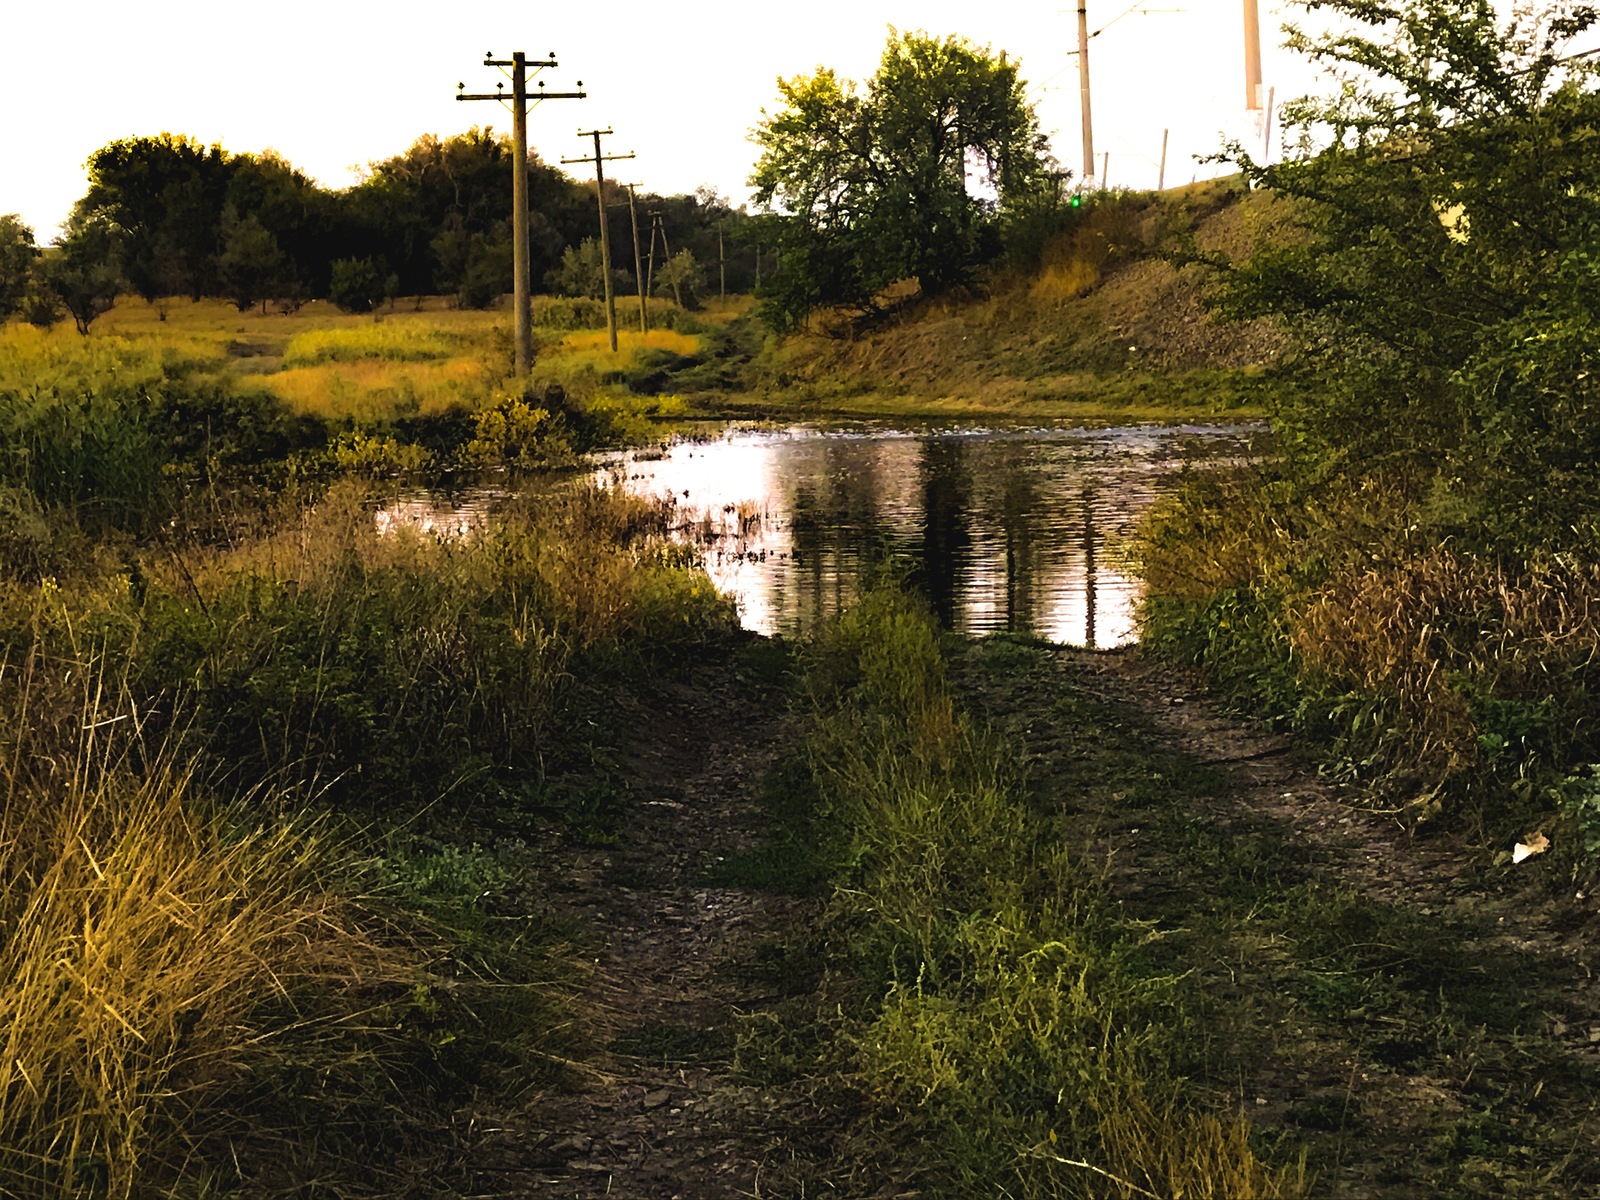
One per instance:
(1083, 91)
(666, 257)
(722, 267)
(1105, 167)
(638, 264)
(1161, 177)
(521, 297)
(650, 270)
(599, 161)
(1252, 56)
(758, 266)
(657, 224)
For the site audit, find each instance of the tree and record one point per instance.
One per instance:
(877, 186)
(17, 253)
(84, 270)
(162, 200)
(1443, 275)
(358, 284)
(582, 272)
(683, 277)
(251, 265)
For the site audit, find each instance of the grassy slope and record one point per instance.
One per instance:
(1105, 329)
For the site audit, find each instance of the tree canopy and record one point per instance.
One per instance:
(900, 180)
(1444, 275)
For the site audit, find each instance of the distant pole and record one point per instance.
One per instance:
(599, 160)
(758, 266)
(1083, 90)
(650, 271)
(522, 300)
(1252, 55)
(666, 257)
(1105, 167)
(1161, 179)
(1266, 141)
(638, 264)
(722, 267)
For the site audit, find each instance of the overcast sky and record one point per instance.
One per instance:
(335, 84)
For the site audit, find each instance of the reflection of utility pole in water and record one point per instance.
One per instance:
(945, 540)
(1088, 569)
(1017, 505)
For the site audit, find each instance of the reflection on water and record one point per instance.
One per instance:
(1004, 530)
(445, 514)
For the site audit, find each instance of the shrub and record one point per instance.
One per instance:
(357, 284)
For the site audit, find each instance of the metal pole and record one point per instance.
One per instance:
(1161, 179)
(1252, 55)
(1083, 90)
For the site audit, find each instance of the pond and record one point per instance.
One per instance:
(1002, 529)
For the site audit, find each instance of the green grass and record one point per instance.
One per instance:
(986, 1016)
(1460, 1085)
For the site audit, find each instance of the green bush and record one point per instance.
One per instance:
(358, 285)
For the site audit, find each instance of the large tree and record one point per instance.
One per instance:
(1443, 277)
(899, 180)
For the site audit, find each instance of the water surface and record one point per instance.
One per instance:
(1002, 529)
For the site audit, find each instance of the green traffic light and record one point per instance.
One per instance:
(1076, 202)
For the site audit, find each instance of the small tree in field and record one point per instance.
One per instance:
(251, 266)
(17, 253)
(83, 271)
(357, 284)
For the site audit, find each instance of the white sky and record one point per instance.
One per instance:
(336, 84)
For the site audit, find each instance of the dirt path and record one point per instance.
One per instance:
(657, 1112)
(1420, 1020)
(1413, 1018)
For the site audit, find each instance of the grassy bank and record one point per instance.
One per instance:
(985, 1018)
(271, 798)
(1099, 322)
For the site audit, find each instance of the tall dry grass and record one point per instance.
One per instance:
(154, 948)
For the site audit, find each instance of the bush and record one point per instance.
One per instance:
(358, 285)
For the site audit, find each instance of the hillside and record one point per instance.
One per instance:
(1106, 325)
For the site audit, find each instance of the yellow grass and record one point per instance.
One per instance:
(139, 937)
(374, 390)
(630, 342)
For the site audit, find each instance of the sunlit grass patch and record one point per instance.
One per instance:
(631, 342)
(376, 390)
(393, 341)
(152, 952)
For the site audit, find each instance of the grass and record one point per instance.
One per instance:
(1398, 1037)
(989, 1021)
(1460, 684)
(261, 795)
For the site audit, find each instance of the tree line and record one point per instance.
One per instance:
(169, 216)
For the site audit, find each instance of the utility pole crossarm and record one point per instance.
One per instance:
(522, 259)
